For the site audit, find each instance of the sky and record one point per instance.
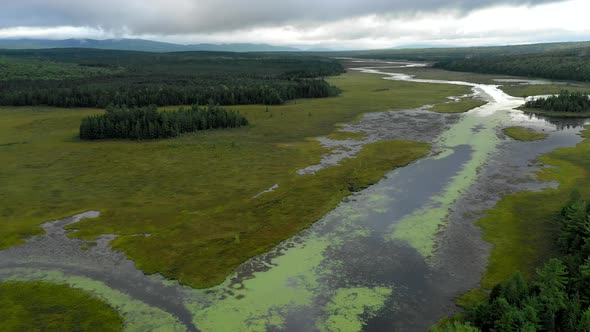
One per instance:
(335, 24)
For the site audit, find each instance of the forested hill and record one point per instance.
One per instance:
(572, 64)
(459, 53)
(564, 61)
(126, 44)
(97, 78)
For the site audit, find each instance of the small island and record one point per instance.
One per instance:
(523, 134)
(565, 104)
(460, 106)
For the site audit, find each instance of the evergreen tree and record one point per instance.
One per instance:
(147, 123)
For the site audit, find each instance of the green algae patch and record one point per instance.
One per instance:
(522, 226)
(41, 306)
(523, 134)
(255, 304)
(295, 279)
(460, 106)
(419, 229)
(348, 304)
(137, 316)
(294, 206)
(193, 193)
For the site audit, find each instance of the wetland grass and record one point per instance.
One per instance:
(523, 134)
(193, 193)
(42, 306)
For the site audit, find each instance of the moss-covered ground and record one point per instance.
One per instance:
(41, 306)
(194, 194)
(523, 134)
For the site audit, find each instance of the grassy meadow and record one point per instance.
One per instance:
(523, 134)
(461, 106)
(40, 306)
(194, 194)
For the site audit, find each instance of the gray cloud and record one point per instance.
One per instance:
(165, 17)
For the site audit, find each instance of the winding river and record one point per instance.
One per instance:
(389, 258)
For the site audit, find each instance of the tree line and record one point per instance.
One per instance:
(576, 102)
(557, 299)
(147, 123)
(562, 65)
(98, 78)
(271, 92)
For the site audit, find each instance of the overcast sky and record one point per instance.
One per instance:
(341, 24)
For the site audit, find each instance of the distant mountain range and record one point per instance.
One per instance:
(138, 45)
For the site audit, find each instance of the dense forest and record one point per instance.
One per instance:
(433, 54)
(97, 78)
(557, 299)
(566, 101)
(572, 64)
(147, 123)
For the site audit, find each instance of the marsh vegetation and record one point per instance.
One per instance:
(461, 106)
(41, 306)
(197, 194)
(193, 193)
(523, 134)
(557, 297)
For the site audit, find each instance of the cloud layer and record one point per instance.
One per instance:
(343, 24)
(205, 16)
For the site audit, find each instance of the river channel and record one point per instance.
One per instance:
(389, 258)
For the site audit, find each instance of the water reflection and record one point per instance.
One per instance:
(538, 121)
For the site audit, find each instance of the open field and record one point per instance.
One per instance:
(193, 194)
(523, 134)
(40, 306)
